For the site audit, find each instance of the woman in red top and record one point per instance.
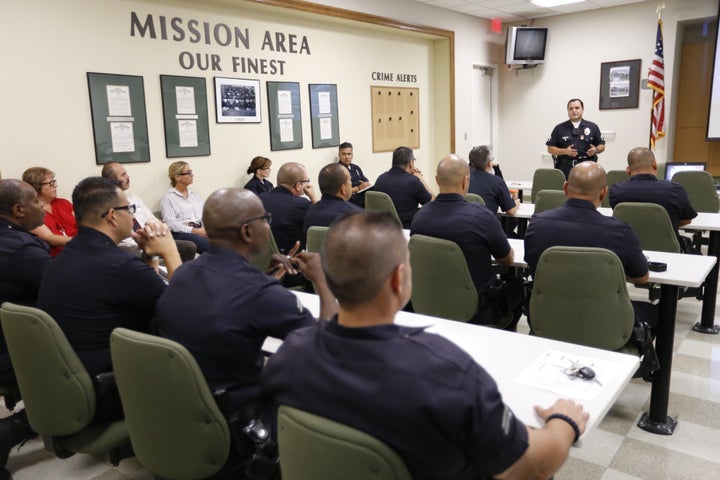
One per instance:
(59, 222)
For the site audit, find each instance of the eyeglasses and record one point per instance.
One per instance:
(52, 183)
(189, 172)
(267, 217)
(132, 208)
(307, 180)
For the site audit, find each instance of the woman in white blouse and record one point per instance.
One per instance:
(182, 208)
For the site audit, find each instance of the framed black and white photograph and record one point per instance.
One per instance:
(324, 115)
(237, 100)
(619, 84)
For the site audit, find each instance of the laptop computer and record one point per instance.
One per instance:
(672, 168)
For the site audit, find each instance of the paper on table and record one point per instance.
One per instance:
(547, 372)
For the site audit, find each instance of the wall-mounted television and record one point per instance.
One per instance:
(526, 45)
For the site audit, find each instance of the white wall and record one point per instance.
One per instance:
(532, 102)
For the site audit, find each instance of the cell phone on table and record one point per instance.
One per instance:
(657, 266)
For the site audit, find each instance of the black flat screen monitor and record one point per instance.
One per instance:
(675, 167)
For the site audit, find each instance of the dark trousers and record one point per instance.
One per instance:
(202, 243)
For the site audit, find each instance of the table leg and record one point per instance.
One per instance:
(657, 419)
(707, 319)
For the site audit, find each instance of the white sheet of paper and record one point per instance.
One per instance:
(122, 136)
(286, 130)
(547, 372)
(325, 128)
(118, 100)
(323, 103)
(284, 101)
(187, 131)
(185, 98)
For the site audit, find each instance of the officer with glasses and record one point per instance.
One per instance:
(93, 286)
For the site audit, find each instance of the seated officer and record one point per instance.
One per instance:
(475, 229)
(334, 181)
(644, 186)
(578, 223)
(417, 392)
(489, 186)
(405, 185)
(222, 308)
(357, 178)
(288, 207)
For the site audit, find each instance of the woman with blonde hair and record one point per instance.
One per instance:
(182, 208)
(59, 225)
(260, 170)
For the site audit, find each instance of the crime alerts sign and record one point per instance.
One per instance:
(196, 32)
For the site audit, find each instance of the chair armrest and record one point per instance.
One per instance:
(104, 384)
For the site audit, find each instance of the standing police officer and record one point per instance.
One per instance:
(576, 140)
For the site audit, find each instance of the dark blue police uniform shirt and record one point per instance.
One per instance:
(24, 258)
(324, 212)
(587, 134)
(288, 217)
(418, 392)
(356, 174)
(93, 287)
(579, 224)
(475, 229)
(647, 188)
(406, 192)
(221, 308)
(258, 186)
(492, 189)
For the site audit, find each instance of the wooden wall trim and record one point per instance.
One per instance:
(342, 13)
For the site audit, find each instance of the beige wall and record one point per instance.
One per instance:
(50, 45)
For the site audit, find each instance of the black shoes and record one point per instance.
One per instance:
(13, 430)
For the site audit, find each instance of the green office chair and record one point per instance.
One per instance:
(546, 179)
(580, 296)
(613, 177)
(701, 189)
(442, 285)
(176, 427)
(315, 237)
(549, 199)
(59, 395)
(313, 447)
(380, 201)
(474, 198)
(263, 261)
(651, 223)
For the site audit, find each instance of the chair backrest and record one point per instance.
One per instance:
(651, 223)
(315, 237)
(580, 296)
(546, 179)
(474, 198)
(701, 189)
(613, 177)
(442, 285)
(313, 447)
(380, 201)
(549, 199)
(57, 390)
(176, 428)
(263, 261)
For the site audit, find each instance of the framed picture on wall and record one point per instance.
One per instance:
(324, 115)
(185, 114)
(619, 84)
(285, 118)
(237, 100)
(117, 104)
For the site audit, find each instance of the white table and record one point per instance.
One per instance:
(520, 186)
(505, 354)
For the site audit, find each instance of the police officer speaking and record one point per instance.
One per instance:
(576, 140)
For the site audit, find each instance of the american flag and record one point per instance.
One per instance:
(656, 81)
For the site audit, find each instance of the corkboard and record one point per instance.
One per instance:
(395, 116)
